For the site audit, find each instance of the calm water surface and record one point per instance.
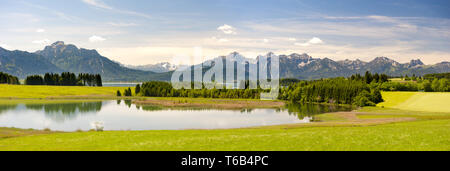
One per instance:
(123, 115)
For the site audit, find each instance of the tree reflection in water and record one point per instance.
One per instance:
(5, 108)
(310, 110)
(66, 111)
(128, 103)
(301, 111)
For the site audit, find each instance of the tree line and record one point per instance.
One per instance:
(357, 90)
(369, 78)
(429, 77)
(438, 76)
(8, 79)
(335, 90)
(427, 83)
(165, 89)
(65, 79)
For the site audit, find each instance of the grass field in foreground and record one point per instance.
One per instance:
(417, 101)
(23, 91)
(419, 135)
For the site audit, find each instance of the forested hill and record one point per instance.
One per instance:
(21, 64)
(61, 57)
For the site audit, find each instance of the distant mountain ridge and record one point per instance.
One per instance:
(158, 68)
(60, 57)
(303, 66)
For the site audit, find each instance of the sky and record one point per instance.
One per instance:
(138, 32)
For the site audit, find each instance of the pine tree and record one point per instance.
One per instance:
(414, 78)
(376, 78)
(407, 77)
(118, 93)
(98, 80)
(129, 92)
(368, 77)
(137, 90)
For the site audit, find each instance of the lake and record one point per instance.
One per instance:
(123, 115)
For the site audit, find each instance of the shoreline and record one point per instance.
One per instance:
(211, 103)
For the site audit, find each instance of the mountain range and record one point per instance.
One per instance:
(60, 57)
(303, 66)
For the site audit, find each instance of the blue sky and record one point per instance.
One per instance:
(149, 31)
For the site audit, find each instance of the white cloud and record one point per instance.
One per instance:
(43, 41)
(66, 17)
(301, 44)
(98, 4)
(382, 18)
(266, 40)
(343, 18)
(122, 24)
(56, 13)
(407, 27)
(227, 29)
(223, 40)
(220, 40)
(313, 41)
(95, 39)
(134, 13)
(378, 18)
(292, 39)
(22, 17)
(40, 30)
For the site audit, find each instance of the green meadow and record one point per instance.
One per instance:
(37, 92)
(417, 101)
(406, 121)
(419, 135)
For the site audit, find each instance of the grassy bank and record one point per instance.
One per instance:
(23, 91)
(421, 135)
(15, 132)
